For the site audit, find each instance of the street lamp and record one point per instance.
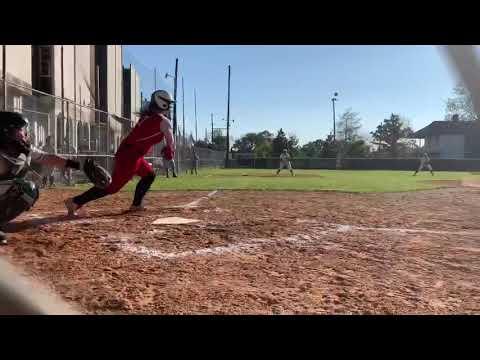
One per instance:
(333, 106)
(175, 103)
(167, 75)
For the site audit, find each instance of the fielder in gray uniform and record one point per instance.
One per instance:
(169, 165)
(16, 193)
(424, 162)
(195, 161)
(285, 162)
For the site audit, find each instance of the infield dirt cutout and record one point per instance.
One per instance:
(257, 252)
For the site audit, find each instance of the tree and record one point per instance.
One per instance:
(246, 144)
(313, 148)
(258, 143)
(389, 133)
(357, 148)
(461, 104)
(263, 144)
(264, 149)
(348, 125)
(279, 143)
(219, 140)
(292, 145)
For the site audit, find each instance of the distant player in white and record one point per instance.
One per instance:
(285, 162)
(424, 162)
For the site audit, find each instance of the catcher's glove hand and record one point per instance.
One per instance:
(97, 174)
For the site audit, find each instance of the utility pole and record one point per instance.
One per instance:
(196, 122)
(333, 105)
(154, 79)
(175, 98)
(212, 126)
(346, 129)
(175, 110)
(183, 111)
(228, 121)
(4, 76)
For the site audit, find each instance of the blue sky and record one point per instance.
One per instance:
(290, 87)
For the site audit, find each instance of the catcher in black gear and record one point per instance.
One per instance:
(17, 194)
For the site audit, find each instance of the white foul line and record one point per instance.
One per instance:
(346, 228)
(255, 243)
(196, 202)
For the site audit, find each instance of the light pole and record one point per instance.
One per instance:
(175, 105)
(174, 77)
(228, 121)
(183, 112)
(167, 75)
(333, 106)
(196, 122)
(211, 116)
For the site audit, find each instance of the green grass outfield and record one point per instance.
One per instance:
(304, 180)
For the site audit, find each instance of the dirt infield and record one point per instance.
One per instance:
(259, 252)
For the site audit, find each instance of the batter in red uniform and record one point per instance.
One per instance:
(152, 128)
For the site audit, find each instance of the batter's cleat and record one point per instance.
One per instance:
(134, 208)
(72, 208)
(3, 238)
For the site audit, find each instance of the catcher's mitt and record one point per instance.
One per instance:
(97, 174)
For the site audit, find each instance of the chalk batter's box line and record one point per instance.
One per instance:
(255, 243)
(193, 203)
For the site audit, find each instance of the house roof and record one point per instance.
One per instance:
(446, 128)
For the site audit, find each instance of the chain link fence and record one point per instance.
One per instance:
(71, 130)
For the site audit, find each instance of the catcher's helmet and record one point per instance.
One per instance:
(12, 120)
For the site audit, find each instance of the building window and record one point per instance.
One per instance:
(17, 104)
(42, 67)
(45, 61)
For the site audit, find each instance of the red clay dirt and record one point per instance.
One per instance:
(258, 252)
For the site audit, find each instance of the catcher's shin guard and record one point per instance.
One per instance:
(17, 196)
(142, 187)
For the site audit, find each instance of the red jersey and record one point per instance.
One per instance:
(150, 130)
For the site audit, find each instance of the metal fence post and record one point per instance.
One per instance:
(4, 76)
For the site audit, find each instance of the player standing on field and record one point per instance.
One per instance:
(168, 164)
(152, 127)
(424, 162)
(195, 161)
(285, 162)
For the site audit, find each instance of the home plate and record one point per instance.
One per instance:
(174, 221)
